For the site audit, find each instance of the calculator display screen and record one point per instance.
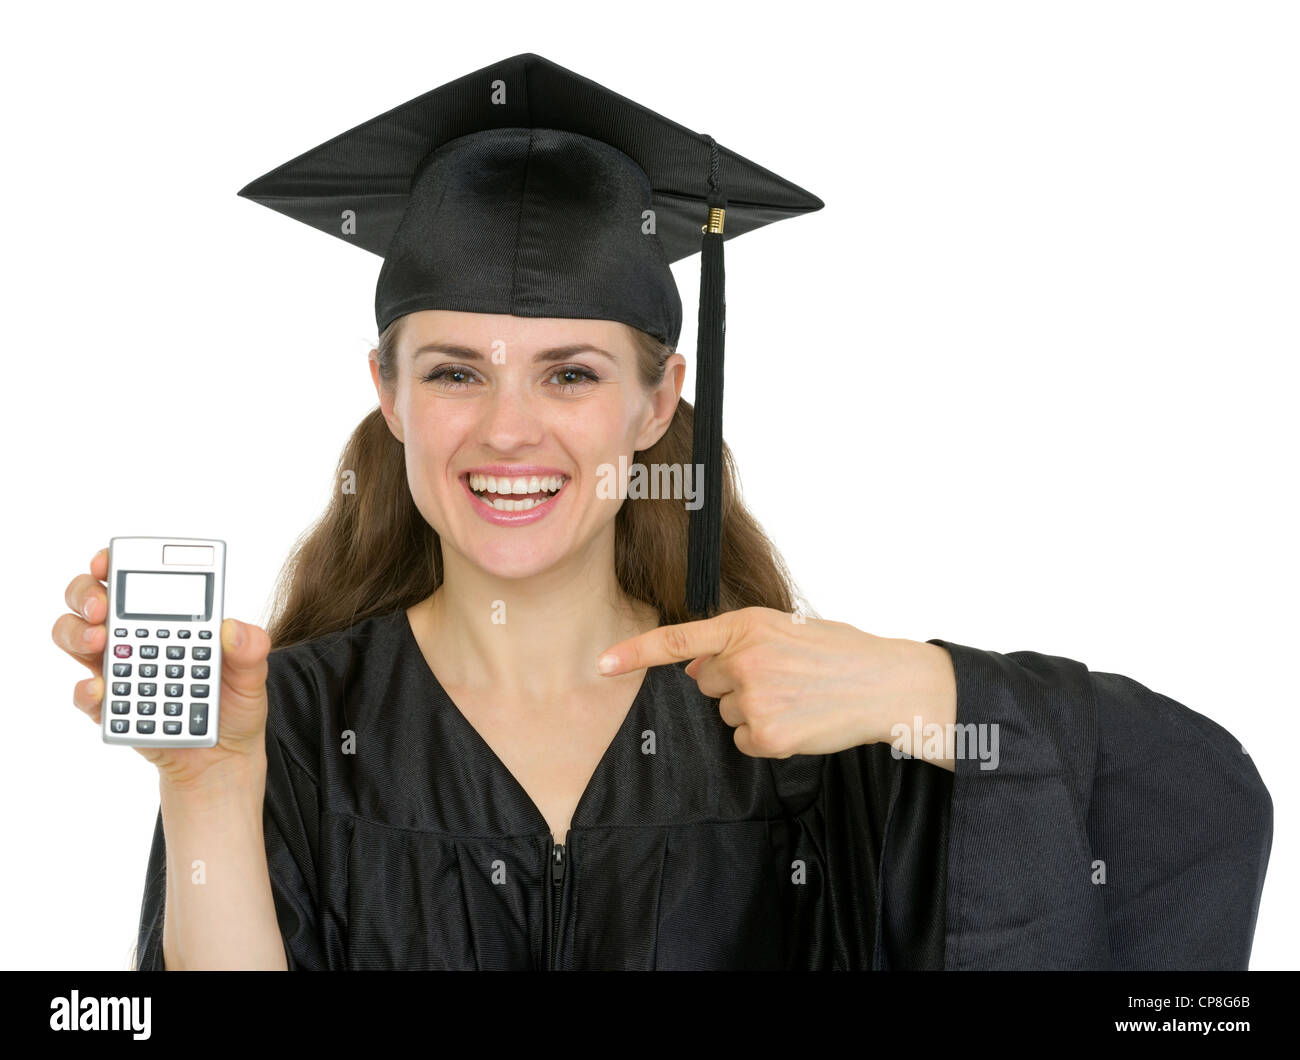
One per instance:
(164, 595)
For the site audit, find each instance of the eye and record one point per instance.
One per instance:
(573, 378)
(583, 375)
(447, 372)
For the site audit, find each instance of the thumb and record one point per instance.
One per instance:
(244, 648)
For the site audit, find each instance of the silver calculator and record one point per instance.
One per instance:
(162, 662)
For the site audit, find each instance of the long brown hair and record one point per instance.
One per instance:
(372, 552)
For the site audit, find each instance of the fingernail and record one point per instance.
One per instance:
(88, 634)
(607, 663)
(237, 634)
(85, 608)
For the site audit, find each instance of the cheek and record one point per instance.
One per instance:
(431, 445)
(597, 431)
(603, 444)
(435, 430)
(419, 478)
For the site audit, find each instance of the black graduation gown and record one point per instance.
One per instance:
(421, 851)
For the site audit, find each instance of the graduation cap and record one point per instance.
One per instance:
(526, 189)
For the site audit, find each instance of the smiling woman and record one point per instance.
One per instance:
(349, 566)
(483, 746)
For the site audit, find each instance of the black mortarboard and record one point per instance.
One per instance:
(526, 189)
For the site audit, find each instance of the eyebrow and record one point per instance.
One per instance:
(555, 353)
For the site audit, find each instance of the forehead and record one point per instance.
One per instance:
(481, 331)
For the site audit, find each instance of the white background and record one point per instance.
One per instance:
(1027, 382)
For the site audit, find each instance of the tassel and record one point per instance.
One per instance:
(704, 549)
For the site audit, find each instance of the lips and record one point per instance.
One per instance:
(513, 471)
(494, 498)
(491, 488)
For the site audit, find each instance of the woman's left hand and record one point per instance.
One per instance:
(792, 685)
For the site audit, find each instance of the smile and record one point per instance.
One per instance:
(522, 494)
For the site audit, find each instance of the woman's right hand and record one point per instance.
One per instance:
(240, 753)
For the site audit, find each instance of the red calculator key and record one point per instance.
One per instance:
(122, 651)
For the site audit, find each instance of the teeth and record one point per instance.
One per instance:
(504, 486)
(501, 504)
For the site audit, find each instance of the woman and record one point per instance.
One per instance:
(430, 772)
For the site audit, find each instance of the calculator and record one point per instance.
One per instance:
(162, 662)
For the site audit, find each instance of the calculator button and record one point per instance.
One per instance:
(174, 690)
(163, 634)
(205, 634)
(121, 706)
(199, 691)
(148, 688)
(198, 719)
(202, 653)
(142, 633)
(119, 725)
(148, 669)
(175, 651)
(199, 673)
(145, 727)
(147, 651)
(146, 706)
(122, 651)
(175, 670)
(183, 634)
(119, 631)
(121, 669)
(172, 728)
(121, 688)
(173, 708)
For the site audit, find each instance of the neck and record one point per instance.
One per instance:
(527, 639)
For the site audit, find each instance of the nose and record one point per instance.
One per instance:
(510, 417)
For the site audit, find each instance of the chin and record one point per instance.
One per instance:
(510, 563)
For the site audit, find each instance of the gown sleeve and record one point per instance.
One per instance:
(1118, 829)
(291, 831)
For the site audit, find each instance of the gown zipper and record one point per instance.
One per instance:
(557, 890)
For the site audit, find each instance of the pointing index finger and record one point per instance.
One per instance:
(667, 644)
